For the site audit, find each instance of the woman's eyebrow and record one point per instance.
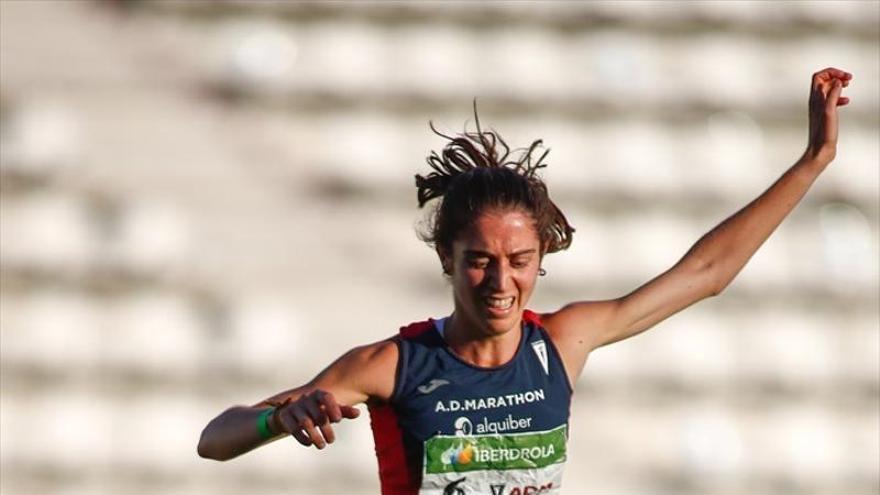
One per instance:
(477, 252)
(524, 251)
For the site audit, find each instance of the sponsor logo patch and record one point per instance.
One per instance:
(457, 455)
(445, 454)
(432, 385)
(540, 348)
(465, 427)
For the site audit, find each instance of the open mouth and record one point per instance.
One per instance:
(499, 303)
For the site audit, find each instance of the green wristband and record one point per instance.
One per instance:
(263, 424)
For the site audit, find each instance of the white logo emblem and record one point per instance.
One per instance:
(540, 348)
(432, 385)
(463, 427)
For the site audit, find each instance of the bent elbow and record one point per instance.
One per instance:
(713, 282)
(213, 455)
(203, 453)
(207, 451)
(702, 276)
(717, 287)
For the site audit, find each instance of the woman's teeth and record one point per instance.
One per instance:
(495, 302)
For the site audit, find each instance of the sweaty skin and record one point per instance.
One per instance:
(498, 258)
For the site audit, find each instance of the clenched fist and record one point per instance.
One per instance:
(825, 96)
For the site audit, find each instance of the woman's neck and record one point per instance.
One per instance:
(478, 348)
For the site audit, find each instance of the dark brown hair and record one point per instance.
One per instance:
(475, 172)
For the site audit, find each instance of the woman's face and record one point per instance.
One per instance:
(494, 265)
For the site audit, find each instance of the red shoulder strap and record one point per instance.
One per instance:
(532, 317)
(416, 329)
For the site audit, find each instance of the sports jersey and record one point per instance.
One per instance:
(452, 428)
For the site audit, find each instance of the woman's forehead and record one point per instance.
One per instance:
(510, 231)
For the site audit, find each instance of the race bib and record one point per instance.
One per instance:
(498, 464)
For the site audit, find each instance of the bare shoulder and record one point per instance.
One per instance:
(378, 356)
(574, 330)
(363, 373)
(368, 369)
(579, 324)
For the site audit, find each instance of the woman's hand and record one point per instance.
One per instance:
(825, 90)
(310, 413)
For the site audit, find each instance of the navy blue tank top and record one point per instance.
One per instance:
(452, 428)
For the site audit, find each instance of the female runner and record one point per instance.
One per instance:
(478, 402)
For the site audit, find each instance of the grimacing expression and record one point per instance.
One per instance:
(494, 265)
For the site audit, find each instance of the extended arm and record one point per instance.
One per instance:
(306, 412)
(713, 262)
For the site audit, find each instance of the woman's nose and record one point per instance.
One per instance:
(499, 277)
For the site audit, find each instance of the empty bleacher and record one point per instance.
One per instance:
(204, 203)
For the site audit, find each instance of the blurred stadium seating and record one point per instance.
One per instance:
(192, 189)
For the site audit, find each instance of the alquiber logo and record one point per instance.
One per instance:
(444, 454)
(465, 427)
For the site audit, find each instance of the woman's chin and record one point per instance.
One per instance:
(500, 322)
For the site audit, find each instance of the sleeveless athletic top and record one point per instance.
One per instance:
(452, 428)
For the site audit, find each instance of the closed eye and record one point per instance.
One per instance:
(478, 262)
(520, 262)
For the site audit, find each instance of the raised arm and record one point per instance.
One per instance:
(306, 412)
(713, 262)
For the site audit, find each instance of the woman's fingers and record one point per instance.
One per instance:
(309, 418)
(321, 421)
(830, 73)
(824, 81)
(301, 437)
(331, 407)
(831, 112)
(834, 94)
(327, 431)
(291, 425)
(825, 96)
(304, 420)
(313, 408)
(350, 412)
